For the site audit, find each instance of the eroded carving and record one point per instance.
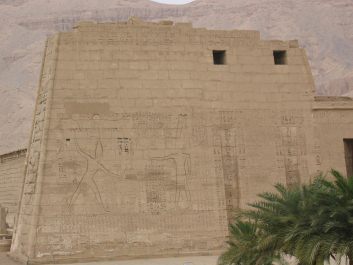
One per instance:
(181, 164)
(293, 146)
(95, 168)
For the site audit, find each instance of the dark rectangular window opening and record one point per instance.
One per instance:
(219, 57)
(280, 57)
(348, 152)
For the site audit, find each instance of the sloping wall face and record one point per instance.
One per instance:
(11, 180)
(26, 224)
(334, 130)
(150, 146)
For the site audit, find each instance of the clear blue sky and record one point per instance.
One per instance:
(174, 2)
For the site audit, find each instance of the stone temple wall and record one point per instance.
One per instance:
(334, 130)
(11, 180)
(26, 223)
(143, 147)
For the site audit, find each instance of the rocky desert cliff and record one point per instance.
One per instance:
(323, 27)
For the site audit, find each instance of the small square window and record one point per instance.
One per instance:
(219, 57)
(280, 57)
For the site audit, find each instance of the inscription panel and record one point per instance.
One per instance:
(293, 147)
(143, 199)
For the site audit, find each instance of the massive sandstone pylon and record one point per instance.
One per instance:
(146, 137)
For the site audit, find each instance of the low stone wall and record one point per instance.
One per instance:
(11, 179)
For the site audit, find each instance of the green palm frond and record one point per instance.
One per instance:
(312, 222)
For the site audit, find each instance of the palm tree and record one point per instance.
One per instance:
(335, 215)
(283, 218)
(312, 222)
(243, 248)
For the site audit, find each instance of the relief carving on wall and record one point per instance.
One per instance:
(181, 165)
(226, 159)
(293, 147)
(166, 177)
(94, 167)
(136, 173)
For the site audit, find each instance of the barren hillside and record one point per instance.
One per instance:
(323, 27)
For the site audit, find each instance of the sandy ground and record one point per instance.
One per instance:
(211, 260)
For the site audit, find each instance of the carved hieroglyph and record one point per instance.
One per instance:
(142, 147)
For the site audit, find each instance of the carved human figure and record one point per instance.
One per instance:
(182, 165)
(94, 167)
(32, 167)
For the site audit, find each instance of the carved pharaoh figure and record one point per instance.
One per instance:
(94, 168)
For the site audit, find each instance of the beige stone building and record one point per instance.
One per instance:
(147, 136)
(11, 179)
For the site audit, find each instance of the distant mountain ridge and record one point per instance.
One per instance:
(323, 27)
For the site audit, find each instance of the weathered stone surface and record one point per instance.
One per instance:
(11, 179)
(333, 124)
(3, 226)
(142, 147)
